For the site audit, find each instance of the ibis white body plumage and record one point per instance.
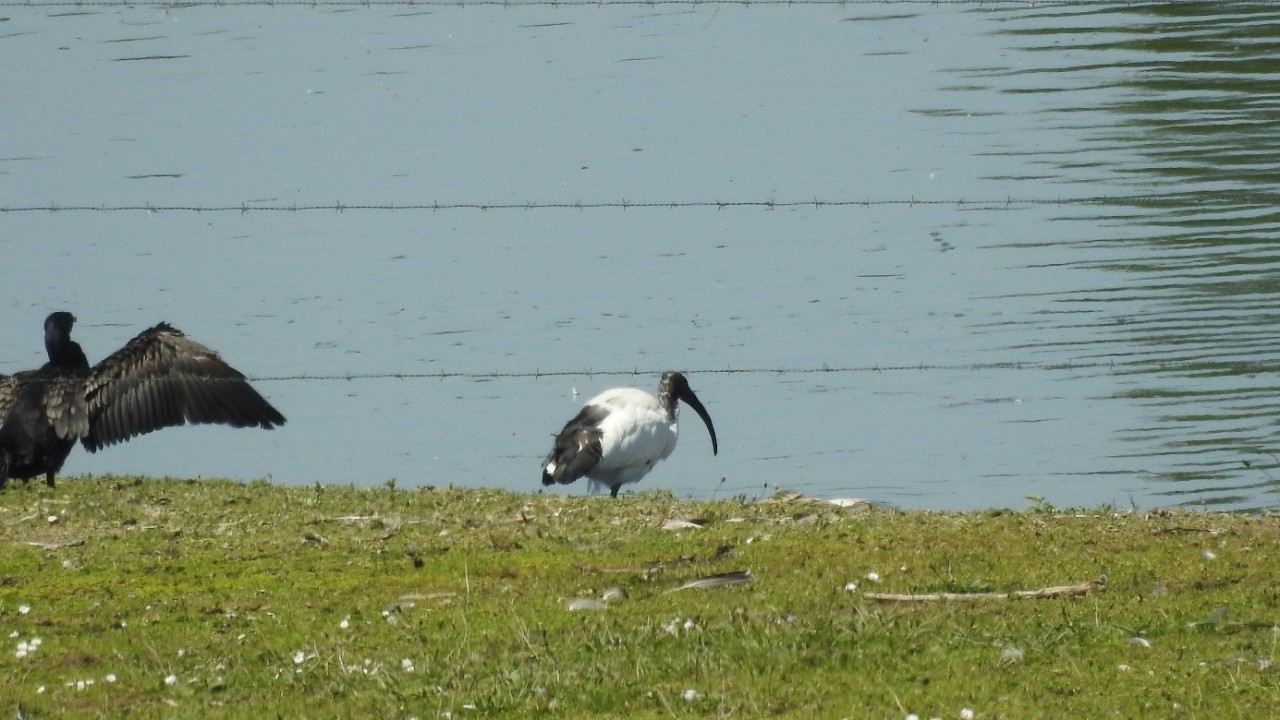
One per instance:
(620, 434)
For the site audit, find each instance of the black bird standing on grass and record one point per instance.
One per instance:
(159, 379)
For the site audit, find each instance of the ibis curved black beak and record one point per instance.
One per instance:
(683, 392)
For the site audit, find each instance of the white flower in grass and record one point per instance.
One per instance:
(873, 576)
(299, 657)
(170, 679)
(966, 714)
(40, 690)
(346, 623)
(26, 647)
(110, 677)
(24, 609)
(407, 665)
(850, 586)
(690, 695)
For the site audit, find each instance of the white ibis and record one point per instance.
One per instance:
(158, 379)
(620, 434)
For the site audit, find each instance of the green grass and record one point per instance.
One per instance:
(208, 599)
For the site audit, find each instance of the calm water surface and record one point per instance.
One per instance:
(1051, 268)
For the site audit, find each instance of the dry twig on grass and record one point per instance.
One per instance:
(738, 577)
(1055, 591)
(55, 545)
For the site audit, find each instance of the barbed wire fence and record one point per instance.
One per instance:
(1131, 201)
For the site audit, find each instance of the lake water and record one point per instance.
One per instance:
(938, 255)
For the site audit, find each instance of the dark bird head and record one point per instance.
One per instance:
(58, 325)
(57, 339)
(674, 386)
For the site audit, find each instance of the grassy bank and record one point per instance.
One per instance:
(171, 598)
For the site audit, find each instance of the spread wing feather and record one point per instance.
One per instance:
(162, 378)
(65, 408)
(9, 387)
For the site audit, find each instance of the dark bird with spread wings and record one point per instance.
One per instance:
(159, 379)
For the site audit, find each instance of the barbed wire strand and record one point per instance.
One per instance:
(1130, 366)
(178, 4)
(816, 203)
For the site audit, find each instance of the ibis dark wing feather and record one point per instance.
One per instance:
(577, 447)
(162, 378)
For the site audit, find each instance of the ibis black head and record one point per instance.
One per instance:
(674, 386)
